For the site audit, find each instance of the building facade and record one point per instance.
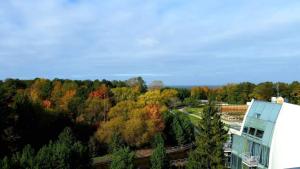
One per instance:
(268, 137)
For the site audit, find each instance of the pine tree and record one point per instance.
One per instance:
(212, 135)
(178, 132)
(159, 158)
(157, 140)
(122, 159)
(5, 163)
(116, 142)
(65, 153)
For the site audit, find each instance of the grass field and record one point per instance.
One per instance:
(101, 159)
(194, 120)
(194, 110)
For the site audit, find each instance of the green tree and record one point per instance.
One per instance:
(159, 157)
(65, 153)
(191, 101)
(212, 135)
(264, 91)
(183, 93)
(294, 88)
(116, 142)
(27, 158)
(5, 163)
(158, 139)
(178, 132)
(122, 159)
(182, 129)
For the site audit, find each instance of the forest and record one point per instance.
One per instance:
(64, 123)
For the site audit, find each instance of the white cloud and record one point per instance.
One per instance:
(148, 42)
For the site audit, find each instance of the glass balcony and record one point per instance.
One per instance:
(249, 160)
(227, 147)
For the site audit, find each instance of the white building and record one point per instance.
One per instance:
(269, 137)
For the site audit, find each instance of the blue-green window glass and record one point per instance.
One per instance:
(252, 131)
(259, 133)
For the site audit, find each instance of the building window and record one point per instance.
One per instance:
(258, 115)
(259, 133)
(252, 131)
(245, 130)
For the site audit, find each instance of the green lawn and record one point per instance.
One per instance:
(194, 120)
(102, 158)
(194, 110)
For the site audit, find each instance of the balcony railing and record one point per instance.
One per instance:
(227, 147)
(249, 160)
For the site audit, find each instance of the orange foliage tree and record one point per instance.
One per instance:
(102, 92)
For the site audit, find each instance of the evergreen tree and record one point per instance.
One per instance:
(183, 129)
(187, 127)
(158, 139)
(5, 163)
(66, 153)
(178, 132)
(122, 159)
(212, 135)
(159, 156)
(27, 158)
(116, 142)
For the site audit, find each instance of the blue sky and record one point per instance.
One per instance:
(180, 42)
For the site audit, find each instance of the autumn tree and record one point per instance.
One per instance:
(199, 92)
(102, 92)
(264, 91)
(66, 99)
(136, 122)
(56, 93)
(166, 97)
(96, 106)
(170, 97)
(40, 89)
(151, 97)
(124, 93)
(96, 109)
(294, 88)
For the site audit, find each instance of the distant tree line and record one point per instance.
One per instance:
(241, 93)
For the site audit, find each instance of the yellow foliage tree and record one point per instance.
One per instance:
(125, 93)
(65, 100)
(137, 121)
